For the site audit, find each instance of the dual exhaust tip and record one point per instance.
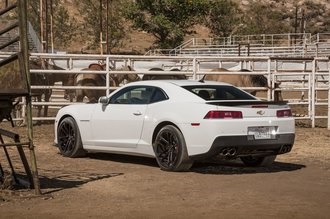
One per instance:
(228, 152)
(232, 151)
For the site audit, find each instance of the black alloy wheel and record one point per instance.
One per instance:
(69, 140)
(170, 150)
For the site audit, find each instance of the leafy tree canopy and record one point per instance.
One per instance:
(261, 18)
(313, 17)
(223, 18)
(64, 26)
(167, 20)
(92, 17)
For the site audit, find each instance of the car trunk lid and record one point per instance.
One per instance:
(253, 109)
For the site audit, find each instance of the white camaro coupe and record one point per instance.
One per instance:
(178, 122)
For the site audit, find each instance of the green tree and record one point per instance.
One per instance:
(64, 25)
(261, 18)
(92, 16)
(313, 17)
(223, 18)
(167, 20)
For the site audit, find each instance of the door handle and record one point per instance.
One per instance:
(138, 113)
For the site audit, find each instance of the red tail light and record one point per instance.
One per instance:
(284, 113)
(224, 115)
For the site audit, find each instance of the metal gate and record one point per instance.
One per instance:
(16, 66)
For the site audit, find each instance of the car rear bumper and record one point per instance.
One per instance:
(239, 146)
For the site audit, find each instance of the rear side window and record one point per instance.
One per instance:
(158, 96)
(219, 92)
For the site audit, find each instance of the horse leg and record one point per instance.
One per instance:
(278, 96)
(39, 107)
(303, 92)
(79, 96)
(69, 80)
(79, 93)
(92, 95)
(48, 93)
(69, 95)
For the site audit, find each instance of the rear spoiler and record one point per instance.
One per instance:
(240, 103)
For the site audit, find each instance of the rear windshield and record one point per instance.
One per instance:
(219, 92)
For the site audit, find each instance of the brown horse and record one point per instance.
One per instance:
(46, 79)
(100, 80)
(124, 78)
(242, 80)
(41, 79)
(163, 76)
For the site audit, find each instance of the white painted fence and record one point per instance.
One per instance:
(308, 75)
(291, 44)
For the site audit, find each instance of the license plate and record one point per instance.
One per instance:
(262, 132)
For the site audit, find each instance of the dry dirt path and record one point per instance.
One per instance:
(113, 186)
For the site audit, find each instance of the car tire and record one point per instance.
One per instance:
(68, 138)
(170, 150)
(252, 161)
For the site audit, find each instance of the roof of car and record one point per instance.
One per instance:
(179, 82)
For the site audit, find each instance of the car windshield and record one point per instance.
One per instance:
(219, 92)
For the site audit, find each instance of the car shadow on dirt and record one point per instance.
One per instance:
(237, 167)
(213, 166)
(119, 158)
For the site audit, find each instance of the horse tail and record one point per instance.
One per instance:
(202, 79)
(259, 80)
(130, 68)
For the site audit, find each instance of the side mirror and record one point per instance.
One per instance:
(104, 100)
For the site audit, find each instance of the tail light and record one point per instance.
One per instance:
(284, 113)
(216, 114)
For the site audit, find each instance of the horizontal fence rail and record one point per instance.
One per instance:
(291, 44)
(319, 49)
(308, 78)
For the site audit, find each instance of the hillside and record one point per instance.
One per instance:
(316, 14)
(140, 41)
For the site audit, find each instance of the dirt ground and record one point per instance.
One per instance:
(117, 186)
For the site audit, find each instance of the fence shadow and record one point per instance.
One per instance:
(70, 180)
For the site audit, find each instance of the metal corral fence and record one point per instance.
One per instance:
(307, 78)
(291, 44)
(303, 50)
